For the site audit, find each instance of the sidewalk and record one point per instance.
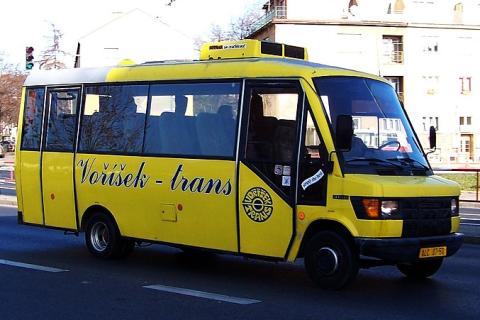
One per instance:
(7, 200)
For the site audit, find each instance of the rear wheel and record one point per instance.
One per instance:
(420, 269)
(103, 239)
(330, 260)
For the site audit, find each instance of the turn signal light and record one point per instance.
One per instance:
(372, 208)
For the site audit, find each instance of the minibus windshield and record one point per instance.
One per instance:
(383, 139)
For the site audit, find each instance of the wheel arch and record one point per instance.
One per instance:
(324, 225)
(95, 209)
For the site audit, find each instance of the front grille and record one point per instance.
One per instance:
(426, 216)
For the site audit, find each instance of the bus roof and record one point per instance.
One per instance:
(186, 70)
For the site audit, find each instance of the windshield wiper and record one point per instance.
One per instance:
(414, 162)
(376, 161)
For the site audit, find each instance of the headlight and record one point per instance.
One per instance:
(388, 208)
(454, 207)
(376, 209)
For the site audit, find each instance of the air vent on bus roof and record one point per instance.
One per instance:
(272, 48)
(249, 48)
(295, 52)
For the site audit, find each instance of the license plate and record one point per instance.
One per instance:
(433, 252)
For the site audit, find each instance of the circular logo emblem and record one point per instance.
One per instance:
(258, 204)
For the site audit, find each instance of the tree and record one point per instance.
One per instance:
(51, 57)
(239, 28)
(11, 82)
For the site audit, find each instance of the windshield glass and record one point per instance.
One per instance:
(383, 139)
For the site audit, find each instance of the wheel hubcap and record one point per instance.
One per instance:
(99, 237)
(327, 261)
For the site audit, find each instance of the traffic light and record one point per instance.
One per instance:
(29, 58)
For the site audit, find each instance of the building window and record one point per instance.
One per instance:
(428, 122)
(392, 49)
(466, 84)
(397, 84)
(465, 121)
(431, 83)
(398, 7)
(430, 44)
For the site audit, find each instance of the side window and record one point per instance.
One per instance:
(198, 119)
(113, 118)
(313, 175)
(272, 129)
(61, 120)
(32, 119)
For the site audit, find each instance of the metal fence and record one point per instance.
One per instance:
(467, 178)
(277, 12)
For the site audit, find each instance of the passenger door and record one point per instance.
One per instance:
(29, 157)
(58, 156)
(268, 166)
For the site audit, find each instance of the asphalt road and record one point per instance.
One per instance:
(82, 287)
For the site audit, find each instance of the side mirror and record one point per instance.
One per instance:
(433, 137)
(344, 132)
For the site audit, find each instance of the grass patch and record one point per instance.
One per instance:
(467, 181)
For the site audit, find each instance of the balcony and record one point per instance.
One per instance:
(277, 12)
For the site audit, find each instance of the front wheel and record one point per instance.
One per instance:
(420, 269)
(330, 260)
(103, 239)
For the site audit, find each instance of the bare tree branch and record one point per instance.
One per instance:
(51, 56)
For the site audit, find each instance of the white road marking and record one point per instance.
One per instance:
(202, 294)
(30, 266)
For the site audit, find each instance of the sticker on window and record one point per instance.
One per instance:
(313, 179)
(286, 181)
(278, 169)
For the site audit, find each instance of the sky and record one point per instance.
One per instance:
(28, 23)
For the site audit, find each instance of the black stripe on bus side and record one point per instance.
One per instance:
(78, 122)
(240, 127)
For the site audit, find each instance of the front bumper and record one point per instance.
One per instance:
(399, 250)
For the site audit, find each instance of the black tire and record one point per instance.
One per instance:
(420, 269)
(103, 239)
(330, 260)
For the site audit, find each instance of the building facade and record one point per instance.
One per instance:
(134, 35)
(427, 49)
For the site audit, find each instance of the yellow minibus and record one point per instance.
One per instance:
(251, 150)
